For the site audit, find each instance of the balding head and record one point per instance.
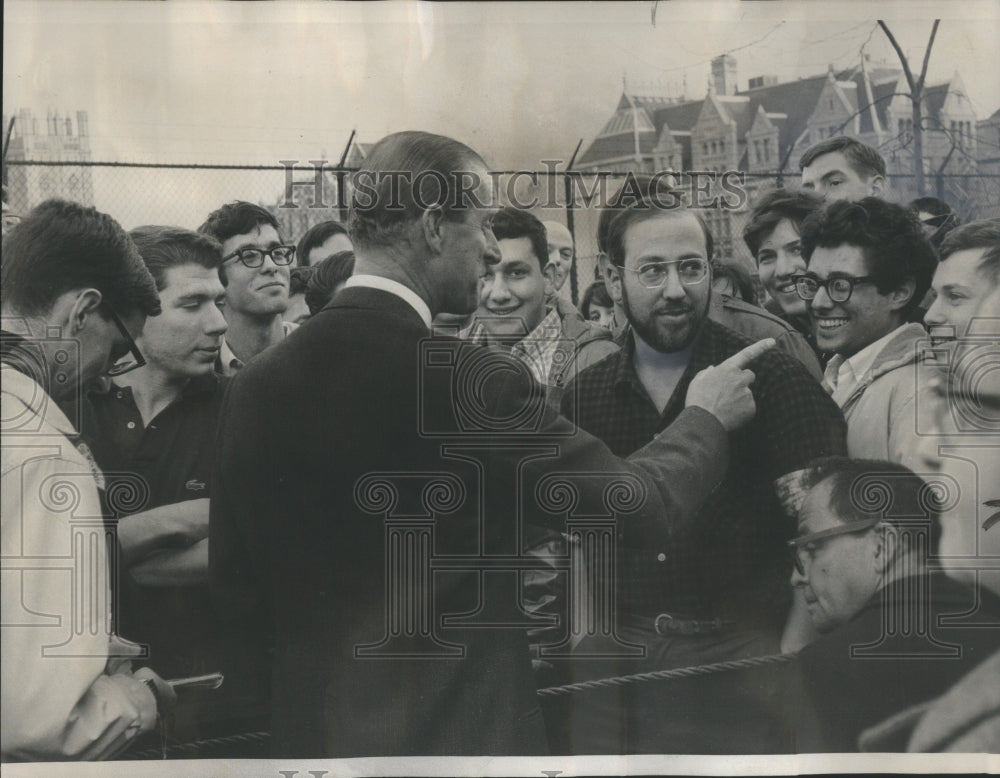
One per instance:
(560, 242)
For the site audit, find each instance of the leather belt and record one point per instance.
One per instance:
(669, 624)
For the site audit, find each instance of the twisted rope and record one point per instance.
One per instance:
(179, 750)
(666, 675)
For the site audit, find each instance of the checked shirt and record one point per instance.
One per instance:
(727, 557)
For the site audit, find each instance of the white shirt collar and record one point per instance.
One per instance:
(862, 362)
(396, 288)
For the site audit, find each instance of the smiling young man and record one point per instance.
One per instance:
(969, 273)
(868, 266)
(772, 235)
(517, 309)
(255, 271)
(842, 168)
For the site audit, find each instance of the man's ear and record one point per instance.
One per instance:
(81, 308)
(612, 277)
(431, 222)
(549, 273)
(877, 185)
(901, 295)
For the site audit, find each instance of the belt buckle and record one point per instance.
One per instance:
(667, 624)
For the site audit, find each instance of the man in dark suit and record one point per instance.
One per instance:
(373, 485)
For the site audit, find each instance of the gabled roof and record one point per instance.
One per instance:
(679, 117)
(934, 97)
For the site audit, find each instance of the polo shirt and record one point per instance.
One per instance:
(728, 559)
(174, 455)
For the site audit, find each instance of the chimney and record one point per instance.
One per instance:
(724, 75)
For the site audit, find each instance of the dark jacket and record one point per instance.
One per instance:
(876, 665)
(355, 422)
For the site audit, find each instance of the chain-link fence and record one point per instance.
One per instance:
(302, 193)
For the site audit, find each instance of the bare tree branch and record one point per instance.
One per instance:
(927, 54)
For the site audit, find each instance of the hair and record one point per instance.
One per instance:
(644, 210)
(983, 234)
(740, 277)
(298, 281)
(863, 159)
(237, 218)
(511, 223)
(405, 174)
(771, 208)
(596, 294)
(315, 236)
(326, 277)
(936, 207)
(162, 248)
(889, 236)
(61, 246)
(867, 489)
(635, 188)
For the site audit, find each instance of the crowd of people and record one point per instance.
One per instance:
(388, 482)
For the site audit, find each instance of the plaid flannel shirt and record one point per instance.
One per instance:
(728, 559)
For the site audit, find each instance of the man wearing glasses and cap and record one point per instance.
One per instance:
(893, 633)
(256, 273)
(868, 267)
(74, 295)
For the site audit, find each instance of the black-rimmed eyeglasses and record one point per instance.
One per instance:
(133, 359)
(254, 257)
(838, 289)
(814, 540)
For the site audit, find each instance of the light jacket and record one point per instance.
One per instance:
(887, 410)
(57, 699)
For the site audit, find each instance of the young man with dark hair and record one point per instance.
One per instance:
(298, 283)
(750, 321)
(868, 266)
(937, 217)
(718, 589)
(517, 308)
(158, 423)
(74, 295)
(327, 278)
(969, 272)
(772, 235)
(255, 271)
(842, 168)
(321, 241)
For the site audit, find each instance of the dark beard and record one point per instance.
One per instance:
(649, 332)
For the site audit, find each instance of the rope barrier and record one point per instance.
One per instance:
(180, 750)
(666, 675)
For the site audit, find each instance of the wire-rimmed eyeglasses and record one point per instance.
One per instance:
(653, 275)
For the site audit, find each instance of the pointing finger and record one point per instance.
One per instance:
(743, 358)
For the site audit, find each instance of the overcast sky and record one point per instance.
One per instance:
(260, 82)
